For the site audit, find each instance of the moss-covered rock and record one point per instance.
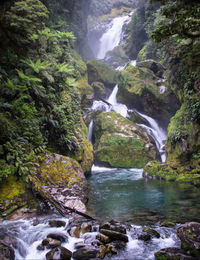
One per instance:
(14, 195)
(165, 172)
(98, 71)
(120, 143)
(139, 88)
(60, 179)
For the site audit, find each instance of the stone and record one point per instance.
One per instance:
(144, 237)
(51, 243)
(151, 232)
(102, 251)
(121, 143)
(189, 234)
(118, 244)
(6, 252)
(103, 238)
(57, 223)
(60, 253)
(167, 223)
(113, 235)
(86, 227)
(172, 253)
(153, 65)
(97, 71)
(58, 236)
(40, 247)
(85, 253)
(115, 227)
(75, 231)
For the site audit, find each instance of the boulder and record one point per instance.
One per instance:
(60, 179)
(74, 231)
(60, 253)
(6, 252)
(103, 238)
(113, 226)
(57, 223)
(97, 71)
(86, 227)
(113, 235)
(58, 236)
(121, 143)
(51, 243)
(151, 232)
(172, 253)
(153, 65)
(85, 253)
(189, 234)
(139, 88)
(144, 237)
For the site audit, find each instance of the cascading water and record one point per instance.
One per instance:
(158, 134)
(90, 129)
(112, 37)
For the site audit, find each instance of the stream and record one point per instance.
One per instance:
(120, 194)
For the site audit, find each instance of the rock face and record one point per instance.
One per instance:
(100, 72)
(189, 235)
(140, 88)
(120, 143)
(61, 178)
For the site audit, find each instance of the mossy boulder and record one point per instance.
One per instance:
(190, 239)
(157, 68)
(172, 253)
(139, 88)
(60, 179)
(120, 143)
(14, 195)
(97, 71)
(166, 172)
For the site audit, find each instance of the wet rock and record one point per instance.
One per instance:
(151, 232)
(113, 235)
(189, 235)
(153, 65)
(167, 224)
(6, 252)
(75, 231)
(58, 236)
(114, 226)
(57, 223)
(85, 253)
(40, 247)
(111, 250)
(172, 253)
(102, 251)
(60, 253)
(79, 245)
(103, 238)
(144, 237)
(86, 227)
(121, 143)
(51, 243)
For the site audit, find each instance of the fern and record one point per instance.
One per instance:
(38, 65)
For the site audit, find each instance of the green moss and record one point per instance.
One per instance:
(120, 143)
(142, 54)
(11, 188)
(98, 71)
(167, 223)
(182, 174)
(61, 171)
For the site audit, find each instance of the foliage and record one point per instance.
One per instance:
(40, 103)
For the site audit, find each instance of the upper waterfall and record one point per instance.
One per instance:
(111, 38)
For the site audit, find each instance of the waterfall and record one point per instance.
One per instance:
(157, 133)
(111, 38)
(90, 129)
